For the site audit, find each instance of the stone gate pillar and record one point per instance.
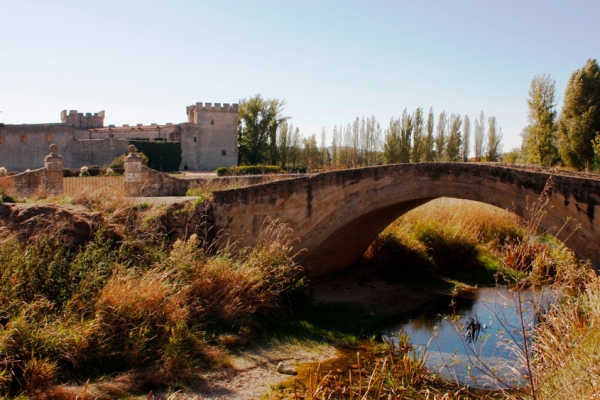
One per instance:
(54, 170)
(134, 176)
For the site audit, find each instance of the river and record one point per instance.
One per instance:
(488, 355)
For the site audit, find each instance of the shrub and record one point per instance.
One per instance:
(84, 171)
(5, 197)
(249, 170)
(119, 162)
(3, 172)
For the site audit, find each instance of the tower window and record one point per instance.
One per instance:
(212, 121)
(223, 153)
(23, 138)
(48, 137)
(195, 139)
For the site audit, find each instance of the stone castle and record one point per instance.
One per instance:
(208, 139)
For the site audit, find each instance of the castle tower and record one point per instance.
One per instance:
(211, 138)
(78, 120)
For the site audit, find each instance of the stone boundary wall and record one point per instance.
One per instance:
(27, 182)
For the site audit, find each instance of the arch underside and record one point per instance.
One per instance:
(345, 245)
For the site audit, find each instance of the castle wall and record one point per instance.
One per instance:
(25, 146)
(78, 153)
(208, 139)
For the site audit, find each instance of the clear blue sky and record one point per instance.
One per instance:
(331, 61)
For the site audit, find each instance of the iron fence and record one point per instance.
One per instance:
(76, 185)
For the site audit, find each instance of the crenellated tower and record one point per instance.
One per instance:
(80, 121)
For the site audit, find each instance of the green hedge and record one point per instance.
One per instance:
(249, 170)
(162, 156)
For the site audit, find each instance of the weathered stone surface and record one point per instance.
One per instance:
(208, 140)
(336, 215)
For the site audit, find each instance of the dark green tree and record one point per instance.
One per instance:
(391, 146)
(579, 121)
(258, 120)
(429, 153)
(540, 135)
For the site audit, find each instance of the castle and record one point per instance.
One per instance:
(208, 139)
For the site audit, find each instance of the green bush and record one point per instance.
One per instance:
(119, 162)
(5, 197)
(249, 170)
(162, 156)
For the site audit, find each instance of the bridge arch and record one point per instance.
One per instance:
(337, 215)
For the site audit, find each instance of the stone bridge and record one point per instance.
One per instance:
(336, 215)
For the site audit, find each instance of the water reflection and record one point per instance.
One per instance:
(493, 359)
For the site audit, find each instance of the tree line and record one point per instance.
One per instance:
(571, 137)
(265, 136)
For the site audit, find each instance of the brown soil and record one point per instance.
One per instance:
(72, 225)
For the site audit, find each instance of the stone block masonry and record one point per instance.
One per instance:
(48, 179)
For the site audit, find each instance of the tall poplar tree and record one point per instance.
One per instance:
(479, 137)
(418, 138)
(429, 153)
(391, 146)
(440, 137)
(579, 121)
(493, 150)
(406, 128)
(466, 139)
(540, 135)
(453, 140)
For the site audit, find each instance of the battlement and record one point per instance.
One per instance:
(78, 120)
(195, 109)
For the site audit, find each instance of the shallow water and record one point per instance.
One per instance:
(491, 359)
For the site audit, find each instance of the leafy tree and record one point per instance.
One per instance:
(406, 128)
(539, 135)
(440, 137)
(466, 139)
(391, 147)
(429, 153)
(283, 141)
(479, 136)
(418, 149)
(494, 141)
(596, 143)
(258, 120)
(579, 121)
(453, 141)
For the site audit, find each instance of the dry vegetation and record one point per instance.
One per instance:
(131, 301)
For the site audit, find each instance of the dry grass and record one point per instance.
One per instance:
(162, 309)
(567, 346)
(444, 236)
